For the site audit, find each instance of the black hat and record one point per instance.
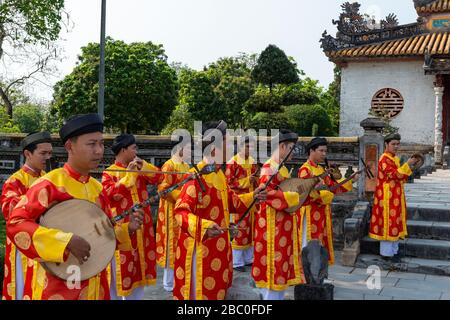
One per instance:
(209, 128)
(316, 142)
(392, 136)
(79, 125)
(286, 136)
(122, 141)
(36, 138)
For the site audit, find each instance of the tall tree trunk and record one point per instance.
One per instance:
(8, 104)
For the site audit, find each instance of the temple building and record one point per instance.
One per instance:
(399, 71)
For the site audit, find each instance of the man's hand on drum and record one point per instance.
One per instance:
(136, 221)
(80, 248)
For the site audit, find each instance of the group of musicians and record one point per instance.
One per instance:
(206, 228)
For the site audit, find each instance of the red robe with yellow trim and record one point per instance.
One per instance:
(238, 172)
(388, 222)
(44, 244)
(14, 188)
(135, 268)
(276, 262)
(167, 230)
(317, 208)
(195, 211)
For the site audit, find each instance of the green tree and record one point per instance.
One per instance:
(28, 31)
(197, 94)
(303, 119)
(180, 118)
(265, 120)
(141, 88)
(28, 117)
(6, 124)
(330, 100)
(274, 67)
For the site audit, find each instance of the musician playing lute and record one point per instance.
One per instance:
(132, 271)
(276, 256)
(203, 262)
(82, 136)
(316, 223)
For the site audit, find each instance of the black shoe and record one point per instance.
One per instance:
(249, 264)
(240, 269)
(386, 258)
(396, 259)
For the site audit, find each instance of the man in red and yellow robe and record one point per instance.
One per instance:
(316, 216)
(167, 230)
(240, 173)
(37, 150)
(132, 270)
(276, 264)
(83, 138)
(203, 262)
(388, 221)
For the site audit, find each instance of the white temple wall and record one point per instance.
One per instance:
(360, 82)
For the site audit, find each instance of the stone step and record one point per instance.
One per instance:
(420, 229)
(414, 265)
(428, 212)
(417, 248)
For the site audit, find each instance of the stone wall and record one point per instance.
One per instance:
(361, 80)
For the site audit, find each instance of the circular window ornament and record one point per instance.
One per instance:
(388, 103)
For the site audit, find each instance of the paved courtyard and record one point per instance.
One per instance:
(350, 284)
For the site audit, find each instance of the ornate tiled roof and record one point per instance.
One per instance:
(432, 6)
(434, 43)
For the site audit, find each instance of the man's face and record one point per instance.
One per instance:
(393, 146)
(87, 151)
(284, 149)
(319, 155)
(38, 159)
(130, 153)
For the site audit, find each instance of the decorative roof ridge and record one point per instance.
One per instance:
(355, 29)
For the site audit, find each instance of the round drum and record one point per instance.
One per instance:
(86, 220)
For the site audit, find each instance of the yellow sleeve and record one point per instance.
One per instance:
(405, 169)
(129, 180)
(244, 183)
(51, 244)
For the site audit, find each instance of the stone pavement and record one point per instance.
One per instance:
(350, 284)
(430, 191)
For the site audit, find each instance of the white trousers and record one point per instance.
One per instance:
(388, 248)
(19, 276)
(242, 257)
(272, 294)
(137, 294)
(305, 231)
(168, 279)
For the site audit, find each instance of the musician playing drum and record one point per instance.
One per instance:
(315, 213)
(37, 149)
(83, 139)
(276, 254)
(388, 221)
(132, 270)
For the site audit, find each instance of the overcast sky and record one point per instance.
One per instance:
(198, 32)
